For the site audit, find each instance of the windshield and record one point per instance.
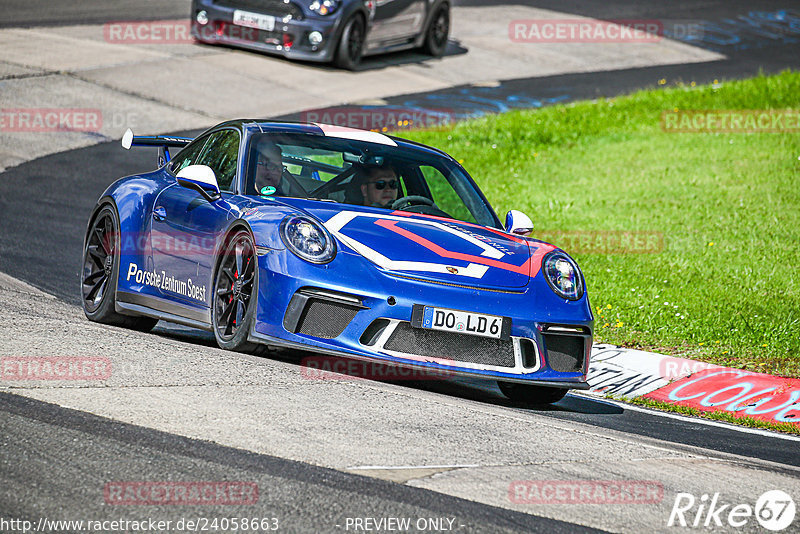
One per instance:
(367, 174)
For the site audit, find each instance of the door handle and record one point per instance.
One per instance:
(159, 214)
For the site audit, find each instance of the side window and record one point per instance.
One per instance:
(445, 197)
(221, 153)
(187, 156)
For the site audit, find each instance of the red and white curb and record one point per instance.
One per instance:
(628, 373)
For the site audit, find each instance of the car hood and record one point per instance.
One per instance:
(433, 248)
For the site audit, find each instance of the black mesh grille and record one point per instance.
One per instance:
(325, 319)
(277, 8)
(564, 353)
(457, 347)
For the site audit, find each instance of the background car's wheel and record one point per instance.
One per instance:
(351, 44)
(235, 287)
(531, 394)
(100, 273)
(438, 32)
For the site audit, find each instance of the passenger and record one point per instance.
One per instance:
(379, 186)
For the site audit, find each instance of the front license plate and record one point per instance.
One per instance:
(254, 20)
(461, 322)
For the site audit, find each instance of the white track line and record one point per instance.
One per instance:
(699, 420)
(368, 467)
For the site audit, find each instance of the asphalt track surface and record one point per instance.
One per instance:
(44, 205)
(39, 479)
(26, 13)
(611, 415)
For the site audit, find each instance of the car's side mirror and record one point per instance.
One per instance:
(518, 223)
(200, 178)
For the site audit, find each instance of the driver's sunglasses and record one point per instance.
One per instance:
(381, 184)
(269, 165)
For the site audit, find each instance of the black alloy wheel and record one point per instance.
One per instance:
(236, 282)
(351, 44)
(100, 271)
(438, 32)
(530, 394)
(98, 262)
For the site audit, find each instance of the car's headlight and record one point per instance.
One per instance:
(563, 275)
(308, 239)
(324, 7)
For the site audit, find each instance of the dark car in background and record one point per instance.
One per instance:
(338, 31)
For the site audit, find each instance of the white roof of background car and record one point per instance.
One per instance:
(352, 133)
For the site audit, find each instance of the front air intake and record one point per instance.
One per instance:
(565, 353)
(320, 313)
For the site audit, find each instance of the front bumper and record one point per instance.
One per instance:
(320, 309)
(289, 38)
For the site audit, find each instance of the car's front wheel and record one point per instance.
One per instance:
(530, 394)
(101, 253)
(438, 32)
(351, 44)
(235, 286)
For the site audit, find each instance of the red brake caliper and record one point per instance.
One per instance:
(235, 276)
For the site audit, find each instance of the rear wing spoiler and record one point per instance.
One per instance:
(163, 142)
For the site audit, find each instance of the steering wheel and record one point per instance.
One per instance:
(411, 200)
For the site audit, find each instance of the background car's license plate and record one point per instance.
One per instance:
(254, 20)
(462, 322)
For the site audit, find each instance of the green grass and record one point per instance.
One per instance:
(727, 417)
(725, 287)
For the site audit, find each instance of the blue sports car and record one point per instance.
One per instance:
(342, 242)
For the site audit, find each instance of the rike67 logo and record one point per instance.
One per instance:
(774, 510)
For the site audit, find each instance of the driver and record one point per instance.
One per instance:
(379, 186)
(269, 168)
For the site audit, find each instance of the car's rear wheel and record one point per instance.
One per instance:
(100, 272)
(351, 44)
(438, 32)
(530, 394)
(235, 287)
